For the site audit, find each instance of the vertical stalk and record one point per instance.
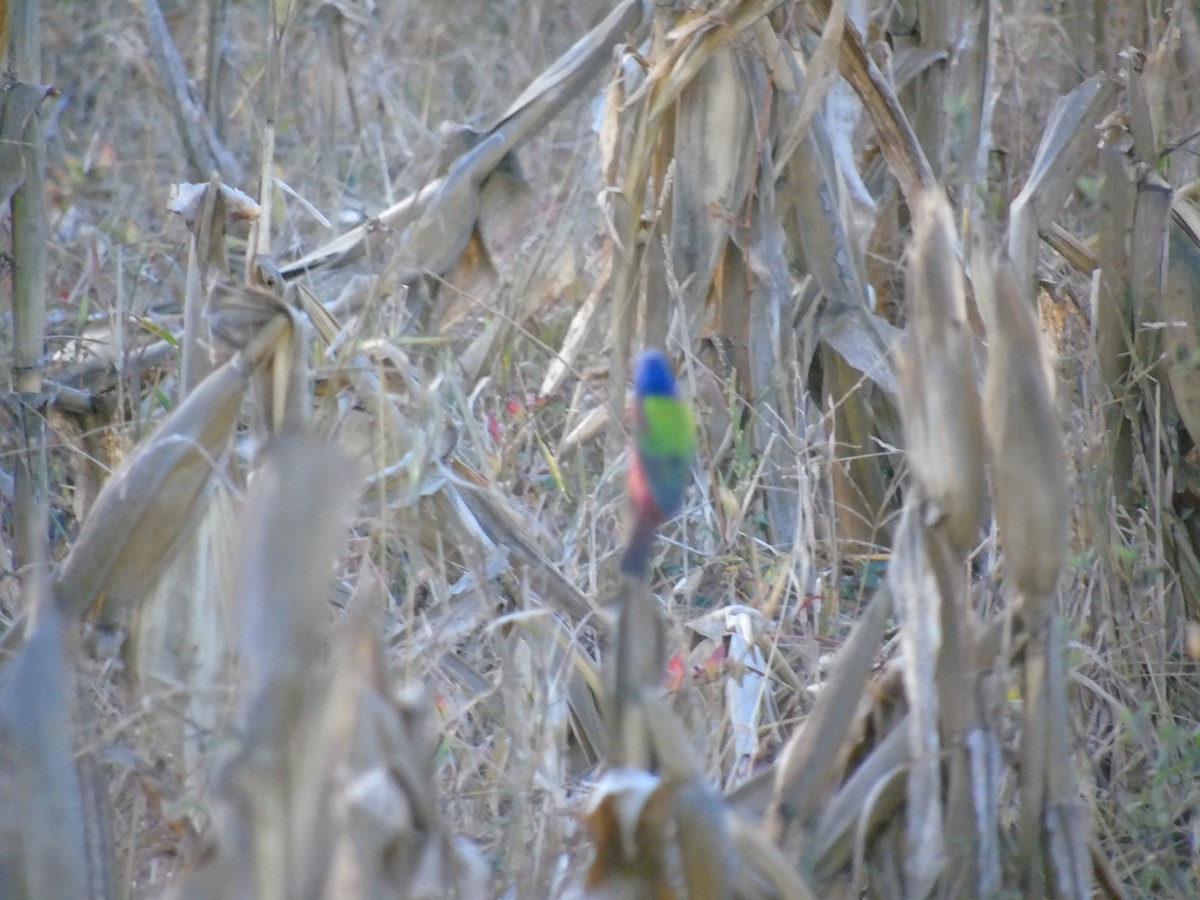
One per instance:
(218, 13)
(29, 297)
(939, 27)
(260, 234)
(1112, 316)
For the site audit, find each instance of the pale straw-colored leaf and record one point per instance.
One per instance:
(843, 115)
(182, 638)
(1067, 147)
(712, 170)
(1148, 247)
(701, 833)
(894, 134)
(1180, 313)
(305, 204)
(819, 222)
(986, 774)
(187, 199)
(760, 855)
(857, 339)
(1144, 85)
(207, 221)
(819, 76)
(589, 427)
(867, 800)
(692, 45)
(1034, 740)
(579, 332)
(740, 629)
(583, 60)
(1078, 254)
(809, 762)
(510, 527)
(706, 852)
(434, 224)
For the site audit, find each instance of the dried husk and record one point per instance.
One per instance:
(939, 398)
(1028, 459)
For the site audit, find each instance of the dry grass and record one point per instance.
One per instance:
(458, 677)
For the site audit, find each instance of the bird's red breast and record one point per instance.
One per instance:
(641, 496)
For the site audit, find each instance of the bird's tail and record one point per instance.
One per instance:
(636, 559)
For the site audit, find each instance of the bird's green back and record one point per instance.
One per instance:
(669, 429)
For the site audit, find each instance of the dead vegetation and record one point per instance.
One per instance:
(313, 464)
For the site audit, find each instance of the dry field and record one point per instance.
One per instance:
(315, 434)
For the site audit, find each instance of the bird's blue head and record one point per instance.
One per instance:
(653, 376)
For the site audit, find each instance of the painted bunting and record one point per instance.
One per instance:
(664, 445)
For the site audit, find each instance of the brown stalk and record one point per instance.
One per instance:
(771, 361)
(18, 106)
(866, 801)
(973, 73)
(628, 820)
(815, 212)
(918, 604)
(504, 526)
(1065, 816)
(819, 76)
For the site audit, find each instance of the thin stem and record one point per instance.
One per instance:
(29, 300)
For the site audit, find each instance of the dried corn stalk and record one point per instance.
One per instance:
(43, 837)
(1028, 460)
(938, 396)
(1029, 482)
(434, 225)
(151, 504)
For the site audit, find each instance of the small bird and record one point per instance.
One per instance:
(664, 446)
